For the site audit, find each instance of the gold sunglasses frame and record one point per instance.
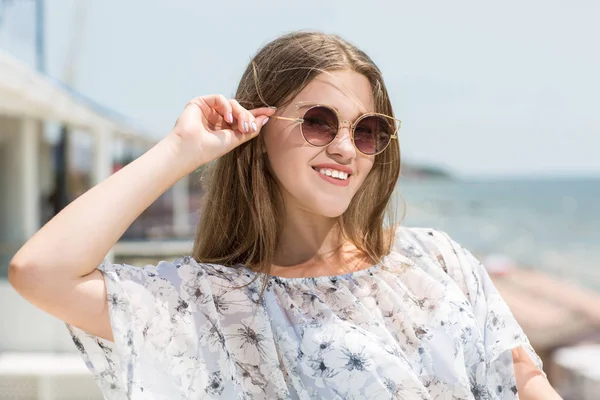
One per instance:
(341, 122)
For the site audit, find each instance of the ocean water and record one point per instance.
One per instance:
(552, 225)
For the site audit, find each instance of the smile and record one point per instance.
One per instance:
(333, 176)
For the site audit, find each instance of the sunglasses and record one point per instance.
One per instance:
(371, 133)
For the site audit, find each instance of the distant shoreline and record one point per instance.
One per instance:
(412, 171)
(416, 171)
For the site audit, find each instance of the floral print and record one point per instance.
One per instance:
(424, 323)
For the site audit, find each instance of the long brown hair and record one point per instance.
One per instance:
(241, 221)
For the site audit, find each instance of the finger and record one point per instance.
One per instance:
(268, 111)
(261, 121)
(245, 120)
(220, 104)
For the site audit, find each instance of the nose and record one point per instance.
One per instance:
(342, 144)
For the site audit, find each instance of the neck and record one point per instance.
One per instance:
(308, 239)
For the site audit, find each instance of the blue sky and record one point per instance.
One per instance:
(486, 90)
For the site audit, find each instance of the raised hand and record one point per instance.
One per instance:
(211, 126)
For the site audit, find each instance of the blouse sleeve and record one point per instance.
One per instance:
(500, 330)
(141, 304)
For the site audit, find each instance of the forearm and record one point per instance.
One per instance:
(75, 241)
(531, 383)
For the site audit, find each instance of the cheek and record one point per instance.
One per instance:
(279, 140)
(364, 165)
(288, 166)
(285, 163)
(287, 153)
(276, 152)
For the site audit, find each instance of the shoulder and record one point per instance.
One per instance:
(427, 240)
(453, 258)
(499, 328)
(420, 241)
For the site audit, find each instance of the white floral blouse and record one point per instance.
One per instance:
(424, 323)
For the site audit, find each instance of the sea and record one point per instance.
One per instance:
(552, 225)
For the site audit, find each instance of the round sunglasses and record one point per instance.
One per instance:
(371, 133)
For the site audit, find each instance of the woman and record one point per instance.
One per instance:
(295, 288)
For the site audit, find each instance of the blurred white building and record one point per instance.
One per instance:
(29, 339)
(577, 372)
(26, 100)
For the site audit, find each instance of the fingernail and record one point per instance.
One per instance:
(246, 126)
(265, 121)
(254, 127)
(273, 107)
(230, 118)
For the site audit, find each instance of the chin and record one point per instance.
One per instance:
(318, 203)
(333, 214)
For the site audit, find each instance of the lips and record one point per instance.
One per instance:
(335, 167)
(333, 173)
(331, 179)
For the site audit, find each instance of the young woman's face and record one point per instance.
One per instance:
(299, 167)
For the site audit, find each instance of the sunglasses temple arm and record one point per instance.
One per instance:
(300, 120)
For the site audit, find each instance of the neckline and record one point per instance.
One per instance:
(331, 278)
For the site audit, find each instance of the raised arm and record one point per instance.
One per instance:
(56, 269)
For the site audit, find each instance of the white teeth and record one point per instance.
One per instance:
(334, 173)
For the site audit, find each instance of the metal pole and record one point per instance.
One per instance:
(3, 5)
(40, 50)
(60, 197)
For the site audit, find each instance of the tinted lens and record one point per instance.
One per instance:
(373, 133)
(320, 126)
